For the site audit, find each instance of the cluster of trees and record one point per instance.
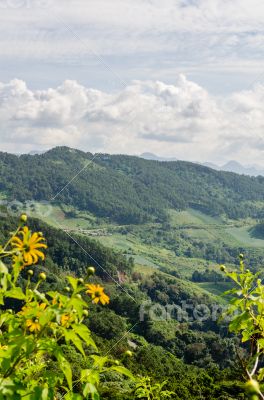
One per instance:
(207, 276)
(258, 230)
(175, 239)
(129, 189)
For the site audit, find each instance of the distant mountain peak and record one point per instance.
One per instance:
(151, 156)
(235, 166)
(230, 166)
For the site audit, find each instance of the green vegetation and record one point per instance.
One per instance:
(40, 328)
(258, 231)
(129, 189)
(155, 232)
(246, 320)
(177, 354)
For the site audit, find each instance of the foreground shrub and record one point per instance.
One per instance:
(39, 328)
(246, 319)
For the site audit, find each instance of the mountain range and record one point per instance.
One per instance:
(230, 166)
(128, 189)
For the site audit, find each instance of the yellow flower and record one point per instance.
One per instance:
(28, 245)
(41, 308)
(33, 309)
(3, 347)
(57, 302)
(25, 310)
(97, 294)
(65, 319)
(33, 326)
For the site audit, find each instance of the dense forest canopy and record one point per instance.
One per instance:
(129, 189)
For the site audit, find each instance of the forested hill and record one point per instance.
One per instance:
(129, 189)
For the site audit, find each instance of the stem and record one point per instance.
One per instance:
(9, 241)
(7, 253)
(256, 363)
(11, 369)
(243, 365)
(261, 395)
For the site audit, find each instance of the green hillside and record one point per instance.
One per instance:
(128, 189)
(189, 353)
(156, 233)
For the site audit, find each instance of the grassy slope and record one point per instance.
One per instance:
(151, 256)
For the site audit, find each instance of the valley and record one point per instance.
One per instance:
(173, 248)
(156, 234)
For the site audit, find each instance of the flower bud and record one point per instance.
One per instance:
(117, 362)
(85, 313)
(23, 218)
(67, 289)
(90, 270)
(42, 276)
(81, 281)
(129, 353)
(78, 296)
(30, 272)
(222, 268)
(241, 256)
(252, 386)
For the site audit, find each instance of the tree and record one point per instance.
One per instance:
(246, 313)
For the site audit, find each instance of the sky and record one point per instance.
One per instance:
(178, 78)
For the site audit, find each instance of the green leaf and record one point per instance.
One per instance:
(2, 299)
(90, 389)
(99, 361)
(7, 388)
(64, 366)
(122, 370)
(15, 293)
(85, 334)
(45, 394)
(3, 276)
(233, 276)
(71, 336)
(90, 375)
(3, 268)
(261, 374)
(261, 344)
(72, 396)
(73, 282)
(240, 322)
(78, 305)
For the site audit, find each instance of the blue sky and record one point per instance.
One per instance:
(195, 67)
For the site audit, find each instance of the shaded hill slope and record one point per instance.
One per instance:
(128, 189)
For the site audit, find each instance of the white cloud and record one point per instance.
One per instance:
(138, 39)
(181, 120)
